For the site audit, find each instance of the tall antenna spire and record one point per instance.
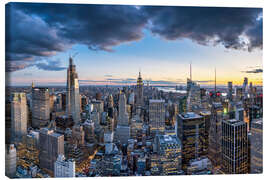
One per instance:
(215, 80)
(190, 71)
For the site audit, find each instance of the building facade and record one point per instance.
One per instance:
(256, 146)
(234, 147)
(169, 148)
(157, 116)
(18, 116)
(51, 144)
(10, 160)
(40, 107)
(214, 148)
(73, 106)
(191, 132)
(63, 167)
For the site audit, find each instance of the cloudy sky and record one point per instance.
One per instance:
(114, 42)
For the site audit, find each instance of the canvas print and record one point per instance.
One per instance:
(127, 90)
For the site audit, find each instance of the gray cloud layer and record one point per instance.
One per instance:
(35, 31)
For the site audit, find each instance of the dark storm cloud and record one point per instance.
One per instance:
(254, 71)
(100, 27)
(208, 26)
(35, 31)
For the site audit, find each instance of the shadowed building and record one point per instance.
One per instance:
(191, 132)
(234, 147)
(256, 146)
(40, 107)
(51, 144)
(214, 148)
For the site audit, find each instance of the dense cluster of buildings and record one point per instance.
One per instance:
(132, 130)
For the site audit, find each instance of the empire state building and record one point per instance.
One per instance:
(73, 95)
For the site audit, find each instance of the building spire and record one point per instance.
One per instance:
(33, 84)
(70, 61)
(215, 80)
(190, 71)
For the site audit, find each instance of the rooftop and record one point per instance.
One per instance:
(190, 115)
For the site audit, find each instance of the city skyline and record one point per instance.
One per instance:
(147, 44)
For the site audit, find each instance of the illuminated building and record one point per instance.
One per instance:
(170, 154)
(256, 146)
(234, 147)
(51, 144)
(139, 92)
(206, 117)
(18, 116)
(157, 116)
(63, 167)
(191, 132)
(155, 164)
(10, 160)
(214, 148)
(73, 95)
(52, 100)
(40, 107)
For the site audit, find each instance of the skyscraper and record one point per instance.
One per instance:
(169, 148)
(122, 129)
(63, 167)
(256, 146)
(194, 98)
(73, 94)
(191, 132)
(207, 117)
(139, 91)
(10, 160)
(18, 116)
(230, 93)
(245, 87)
(157, 116)
(40, 107)
(214, 148)
(51, 144)
(234, 147)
